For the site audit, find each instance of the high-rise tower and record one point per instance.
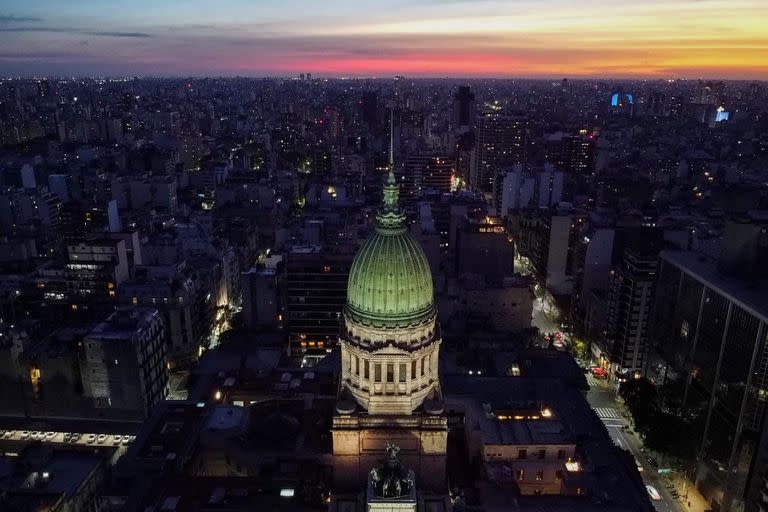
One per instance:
(500, 144)
(390, 340)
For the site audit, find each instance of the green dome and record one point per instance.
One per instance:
(390, 283)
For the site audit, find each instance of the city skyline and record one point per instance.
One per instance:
(457, 38)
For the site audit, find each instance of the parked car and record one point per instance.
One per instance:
(91, 438)
(101, 438)
(653, 493)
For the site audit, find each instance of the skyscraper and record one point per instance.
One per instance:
(500, 144)
(571, 153)
(630, 298)
(463, 108)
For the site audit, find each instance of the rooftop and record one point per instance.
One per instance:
(753, 299)
(125, 323)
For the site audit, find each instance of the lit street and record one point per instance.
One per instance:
(602, 397)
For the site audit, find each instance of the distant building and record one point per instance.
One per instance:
(572, 153)
(97, 267)
(261, 298)
(502, 306)
(422, 172)
(463, 108)
(548, 240)
(316, 289)
(484, 247)
(177, 294)
(516, 191)
(500, 144)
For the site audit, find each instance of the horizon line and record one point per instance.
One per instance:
(576, 78)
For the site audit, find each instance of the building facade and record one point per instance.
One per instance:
(711, 336)
(123, 361)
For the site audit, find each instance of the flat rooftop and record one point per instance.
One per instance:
(753, 299)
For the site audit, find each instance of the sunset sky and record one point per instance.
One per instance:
(522, 38)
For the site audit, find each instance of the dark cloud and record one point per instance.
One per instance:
(6, 18)
(63, 30)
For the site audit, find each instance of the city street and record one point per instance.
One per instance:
(542, 318)
(602, 397)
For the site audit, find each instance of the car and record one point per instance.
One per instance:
(25, 434)
(8, 434)
(75, 438)
(101, 438)
(90, 439)
(652, 462)
(36, 435)
(653, 493)
(639, 466)
(128, 439)
(67, 437)
(117, 440)
(49, 436)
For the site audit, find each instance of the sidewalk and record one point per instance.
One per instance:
(694, 497)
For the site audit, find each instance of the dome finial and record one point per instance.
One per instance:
(391, 216)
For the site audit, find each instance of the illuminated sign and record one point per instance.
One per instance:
(491, 229)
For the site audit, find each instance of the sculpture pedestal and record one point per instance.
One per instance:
(359, 440)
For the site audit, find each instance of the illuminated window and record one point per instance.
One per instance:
(519, 474)
(34, 378)
(135, 300)
(539, 474)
